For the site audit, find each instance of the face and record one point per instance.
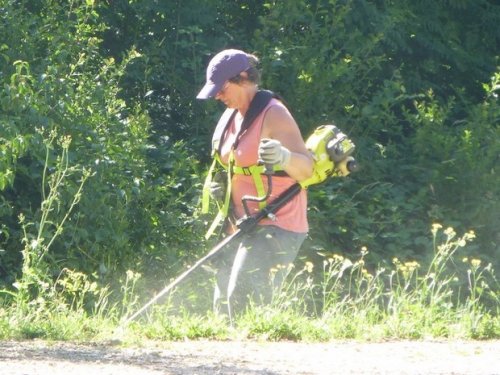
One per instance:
(224, 94)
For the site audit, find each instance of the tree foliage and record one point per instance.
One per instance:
(414, 83)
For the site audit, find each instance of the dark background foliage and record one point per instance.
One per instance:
(414, 83)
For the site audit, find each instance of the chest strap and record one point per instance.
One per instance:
(256, 171)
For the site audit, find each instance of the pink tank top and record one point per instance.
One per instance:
(292, 216)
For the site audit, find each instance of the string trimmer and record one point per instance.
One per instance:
(331, 150)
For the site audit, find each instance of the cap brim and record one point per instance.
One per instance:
(208, 91)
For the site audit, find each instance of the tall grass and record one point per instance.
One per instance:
(454, 296)
(41, 305)
(449, 298)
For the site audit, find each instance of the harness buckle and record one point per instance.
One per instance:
(246, 171)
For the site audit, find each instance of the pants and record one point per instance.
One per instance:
(254, 267)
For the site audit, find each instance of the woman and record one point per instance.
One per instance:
(262, 256)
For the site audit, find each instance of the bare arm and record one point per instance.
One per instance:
(280, 125)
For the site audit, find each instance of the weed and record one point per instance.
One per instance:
(401, 302)
(447, 299)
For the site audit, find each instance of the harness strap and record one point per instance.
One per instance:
(257, 169)
(205, 197)
(222, 209)
(258, 103)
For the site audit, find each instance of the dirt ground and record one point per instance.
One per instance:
(252, 358)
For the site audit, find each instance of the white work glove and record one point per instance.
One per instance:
(272, 152)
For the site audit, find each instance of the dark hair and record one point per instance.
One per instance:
(253, 72)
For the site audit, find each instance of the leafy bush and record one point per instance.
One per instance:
(392, 76)
(142, 193)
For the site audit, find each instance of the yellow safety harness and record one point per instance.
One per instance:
(256, 171)
(258, 103)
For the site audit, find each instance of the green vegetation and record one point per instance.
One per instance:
(449, 299)
(103, 150)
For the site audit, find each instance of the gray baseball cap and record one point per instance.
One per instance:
(223, 66)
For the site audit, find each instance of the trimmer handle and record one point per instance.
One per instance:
(268, 171)
(268, 168)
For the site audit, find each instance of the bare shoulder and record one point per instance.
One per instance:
(279, 124)
(278, 120)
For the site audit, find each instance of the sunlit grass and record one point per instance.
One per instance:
(451, 297)
(406, 300)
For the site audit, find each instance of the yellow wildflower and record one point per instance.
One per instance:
(412, 266)
(475, 263)
(436, 227)
(309, 267)
(470, 235)
(450, 232)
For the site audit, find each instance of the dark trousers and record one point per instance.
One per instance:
(254, 268)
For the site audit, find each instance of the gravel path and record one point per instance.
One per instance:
(252, 358)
